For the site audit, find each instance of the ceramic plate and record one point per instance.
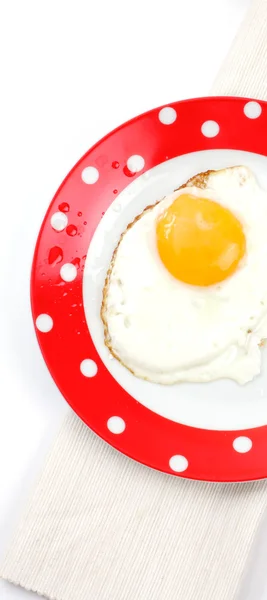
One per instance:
(215, 431)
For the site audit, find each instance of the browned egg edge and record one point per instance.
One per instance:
(200, 180)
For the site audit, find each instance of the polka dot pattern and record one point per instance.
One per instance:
(90, 175)
(178, 463)
(88, 191)
(252, 110)
(242, 444)
(135, 163)
(167, 115)
(59, 221)
(210, 129)
(88, 367)
(44, 323)
(68, 272)
(116, 425)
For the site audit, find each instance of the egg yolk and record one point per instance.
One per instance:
(199, 241)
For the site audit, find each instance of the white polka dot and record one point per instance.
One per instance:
(90, 175)
(252, 110)
(116, 425)
(167, 115)
(88, 367)
(178, 463)
(59, 221)
(68, 272)
(210, 129)
(242, 444)
(135, 163)
(44, 323)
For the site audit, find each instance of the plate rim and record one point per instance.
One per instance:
(118, 129)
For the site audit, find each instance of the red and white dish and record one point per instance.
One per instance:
(215, 431)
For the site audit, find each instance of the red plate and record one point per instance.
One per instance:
(236, 453)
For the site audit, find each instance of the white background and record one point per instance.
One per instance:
(70, 72)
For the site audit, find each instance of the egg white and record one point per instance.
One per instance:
(166, 331)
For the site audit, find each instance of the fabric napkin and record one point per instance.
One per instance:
(102, 527)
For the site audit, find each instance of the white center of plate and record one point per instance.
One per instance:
(219, 405)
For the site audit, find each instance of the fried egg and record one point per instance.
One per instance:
(185, 297)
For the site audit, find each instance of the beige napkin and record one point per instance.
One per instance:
(102, 527)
